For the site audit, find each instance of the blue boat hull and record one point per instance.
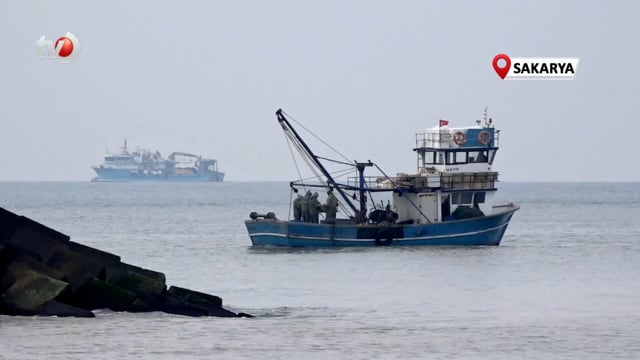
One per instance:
(486, 230)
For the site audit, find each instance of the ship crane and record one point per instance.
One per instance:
(172, 157)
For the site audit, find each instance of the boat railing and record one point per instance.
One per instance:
(469, 181)
(437, 139)
(450, 181)
(430, 139)
(371, 182)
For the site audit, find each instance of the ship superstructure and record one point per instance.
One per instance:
(143, 164)
(454, 178)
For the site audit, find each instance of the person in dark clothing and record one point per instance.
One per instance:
(297, 208)
(331, 207)
(314, 208)
(304, 205)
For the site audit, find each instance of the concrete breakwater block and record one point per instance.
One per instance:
(211, 304)
(10, 222)
(29, 292)
(56, 308)
(43, 272)
(195, 297)
(20, 267)
(113, 272)
(96, 294)
(130, 278)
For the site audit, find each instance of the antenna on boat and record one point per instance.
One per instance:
(124, 148)
(486, 109)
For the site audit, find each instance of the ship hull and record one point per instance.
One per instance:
(480, 231)
(113, 175)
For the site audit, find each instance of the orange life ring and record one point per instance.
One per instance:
(459, 138)
(484, 137)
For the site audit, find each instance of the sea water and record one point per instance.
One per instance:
(564, 283)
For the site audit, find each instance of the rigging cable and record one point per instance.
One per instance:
(305, 158)
(337, 174)
(316, 136)
(292, 155)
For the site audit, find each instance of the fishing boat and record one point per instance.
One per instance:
(448, 201)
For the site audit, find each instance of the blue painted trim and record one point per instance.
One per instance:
(486, 230)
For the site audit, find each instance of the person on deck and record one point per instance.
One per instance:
(297, 208)
(314, 208)
(304, 205)
(331, 207)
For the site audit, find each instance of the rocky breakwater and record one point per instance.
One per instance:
(43, 272)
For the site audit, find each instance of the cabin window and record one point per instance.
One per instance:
(457, 157)
(461, 198)
(461, 157)
(478, 156)
(433, 158)
(483, 157)
(473, 155)
(478, 197)
(115, 158)
(429, 157)
(492, 154)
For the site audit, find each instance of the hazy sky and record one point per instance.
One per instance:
(207, 76)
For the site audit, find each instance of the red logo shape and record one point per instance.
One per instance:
(65, 45)
(502, 71)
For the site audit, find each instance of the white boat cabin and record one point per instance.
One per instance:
(454, 179)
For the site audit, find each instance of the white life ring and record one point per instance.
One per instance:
(459, 138)
(484, 137)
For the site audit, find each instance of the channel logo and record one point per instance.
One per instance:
(526, 68)
(65, 49)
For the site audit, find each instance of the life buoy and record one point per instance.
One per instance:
(459, 138)
(484, 137)
(383, 237)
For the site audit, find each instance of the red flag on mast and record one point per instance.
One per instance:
(444, 122)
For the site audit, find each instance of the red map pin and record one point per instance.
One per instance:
(502, 71)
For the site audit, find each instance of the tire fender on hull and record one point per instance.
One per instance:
(383, 237)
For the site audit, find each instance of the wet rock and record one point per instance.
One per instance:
(172, 304)
(155, 275)
(19, 268)
(43, 272)
(29, 293)
(195, 297)
(23, 263)
(211, 304)
(33, 243)
(77, 261)
(95, 294)
(132, 279)
(56, 308)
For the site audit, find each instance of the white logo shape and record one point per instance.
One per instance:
(65, 49)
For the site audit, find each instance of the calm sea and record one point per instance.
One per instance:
(564, 284)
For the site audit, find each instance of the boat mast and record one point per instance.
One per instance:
(286, 125)
(362, 215)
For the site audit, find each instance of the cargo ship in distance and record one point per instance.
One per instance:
(145, 165)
